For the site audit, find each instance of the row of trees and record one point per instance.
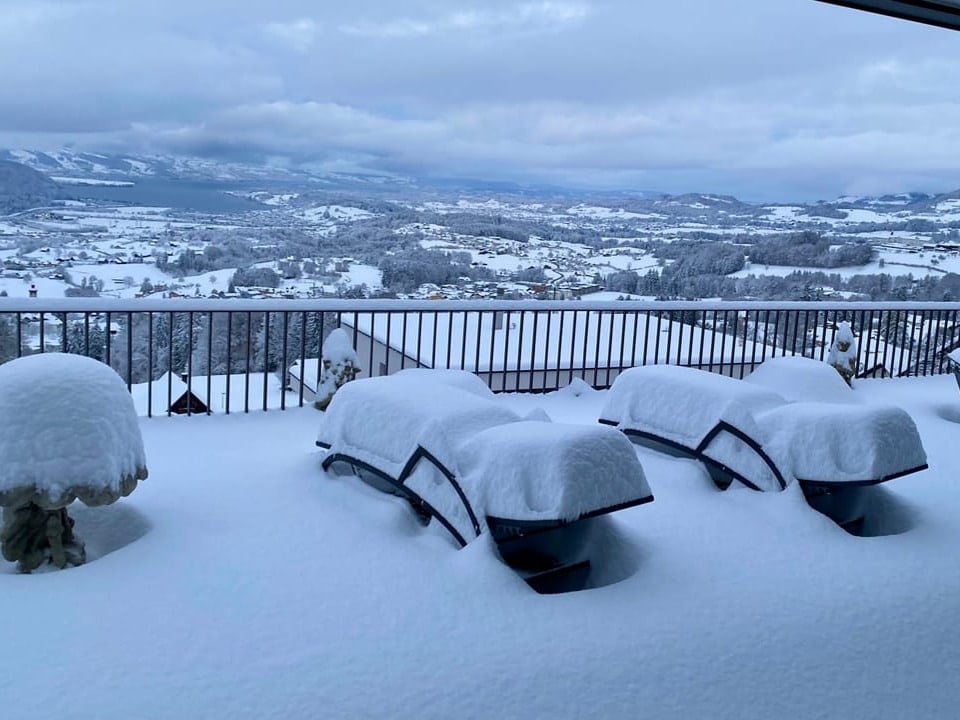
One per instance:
(809, 249)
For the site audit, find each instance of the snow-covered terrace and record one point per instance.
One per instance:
(240, 581)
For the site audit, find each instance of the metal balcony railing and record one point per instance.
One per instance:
(240, 355)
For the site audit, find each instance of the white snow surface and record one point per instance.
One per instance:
(543, 470)
(66, 423)
(798, 378)
(684, 404)
(842, 443)
(245, 583)
(382, 420)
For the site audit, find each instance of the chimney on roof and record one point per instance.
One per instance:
(33, 290)
(183, 375)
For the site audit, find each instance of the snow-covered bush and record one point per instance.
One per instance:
(843, 352)
(68, 430)
(340, 365)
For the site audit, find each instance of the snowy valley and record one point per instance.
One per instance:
(131, 227)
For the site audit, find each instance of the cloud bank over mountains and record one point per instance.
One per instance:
(766, 100)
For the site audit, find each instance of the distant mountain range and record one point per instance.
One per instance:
(57, 173)
(73, 167)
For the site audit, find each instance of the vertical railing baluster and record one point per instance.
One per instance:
(386, 359)
(229, 354)
(647, 326)
(209, 350)
(150, 377)
(612, 316)
(883, 332)
(623, 342)
(679, 338)
(703, 340)
(573, 345)
(493, 315)
(906, 320)
(284, 346)
(669, 349)
(656, 338)
(449, 339)
(403, 341)
(476, 349)
(586, 360)
(433, 341)
(266, 355)
(246, 364)
(171, 319)
(190, 364)
(933, 367)
(303, 359)
(506, 350)
(533, 351)
(109, 335)
(563, 319)
(713, 339)
(795, 314)
(464, 321)
(821, 345)
(516, 380)
(743, 349)
(419, 353)
(546, 351)
(129, 351)
(723, 343)
(766, 335)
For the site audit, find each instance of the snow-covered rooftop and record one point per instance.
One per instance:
(243, 582)
(562, 339)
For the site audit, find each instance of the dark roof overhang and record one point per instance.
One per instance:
(942, 13)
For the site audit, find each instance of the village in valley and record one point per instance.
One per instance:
(112, 235)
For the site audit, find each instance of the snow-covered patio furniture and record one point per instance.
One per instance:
(439, 439)
(68, 431)
(745, 432)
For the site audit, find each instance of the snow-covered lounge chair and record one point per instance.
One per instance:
(743, 431)
(440, 440)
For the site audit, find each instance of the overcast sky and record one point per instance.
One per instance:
(765, 99)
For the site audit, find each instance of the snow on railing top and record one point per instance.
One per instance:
(101, 304)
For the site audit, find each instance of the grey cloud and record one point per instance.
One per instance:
(299, 35)
(525, 17)
(764, 98)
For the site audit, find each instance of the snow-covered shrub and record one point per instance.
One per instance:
(340, 366)
(843, 352)
(68, 430)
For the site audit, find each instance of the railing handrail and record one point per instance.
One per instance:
(344, 305)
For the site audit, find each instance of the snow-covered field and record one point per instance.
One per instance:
(240, 581)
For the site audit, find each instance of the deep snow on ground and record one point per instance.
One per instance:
(240, 581)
